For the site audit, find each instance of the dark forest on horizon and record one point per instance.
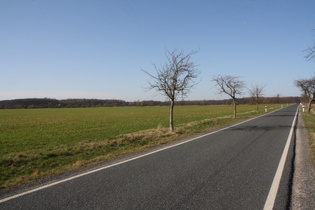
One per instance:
(30, 103)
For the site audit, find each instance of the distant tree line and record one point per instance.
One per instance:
(31, 103)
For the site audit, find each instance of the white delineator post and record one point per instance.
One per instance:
(303, 107)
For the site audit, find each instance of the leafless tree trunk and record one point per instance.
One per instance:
(256, 92)
(174, 78)
(230, 85)
(172, 115)
(234, 103)
(308, 88)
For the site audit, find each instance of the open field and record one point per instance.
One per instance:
(37, 143)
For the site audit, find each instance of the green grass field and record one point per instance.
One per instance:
(37, 143)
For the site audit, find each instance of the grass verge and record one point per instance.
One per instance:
(309, 121)
(25, 166)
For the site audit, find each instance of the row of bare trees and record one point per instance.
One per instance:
(307, 86)
(177, 76)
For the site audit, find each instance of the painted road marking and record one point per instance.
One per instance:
(276, 180)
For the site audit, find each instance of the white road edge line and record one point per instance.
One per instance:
(124, 161)
(276, 180)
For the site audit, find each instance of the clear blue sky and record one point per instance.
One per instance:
(97, 48)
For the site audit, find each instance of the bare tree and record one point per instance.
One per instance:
(310, 53)
(230, 85)
(174, 78)
(307, 86)
(256, 92)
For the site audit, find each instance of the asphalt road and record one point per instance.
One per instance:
(230, 169)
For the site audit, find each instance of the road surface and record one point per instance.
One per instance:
(232, 168)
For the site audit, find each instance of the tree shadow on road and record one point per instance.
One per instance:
(250, 128)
